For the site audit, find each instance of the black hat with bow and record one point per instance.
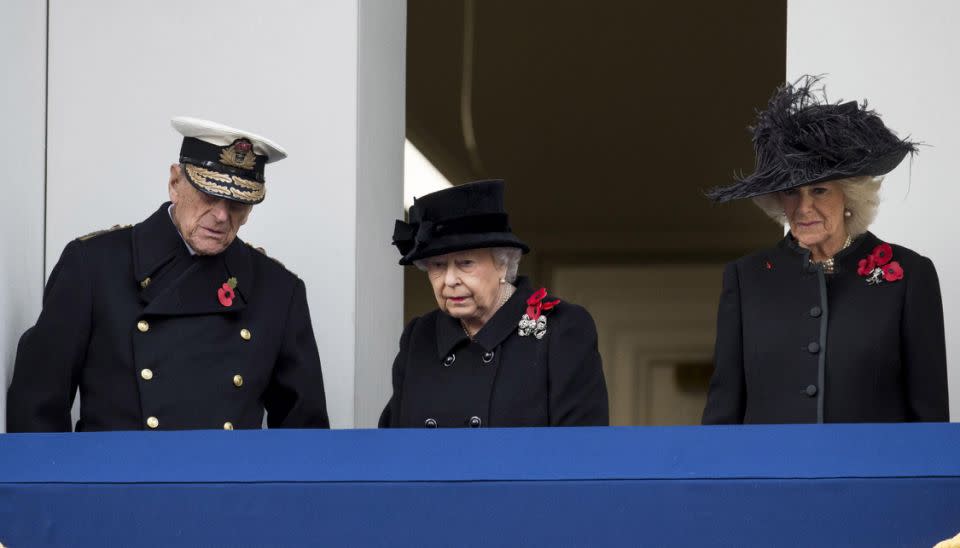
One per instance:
(803, 139)
(467, 216)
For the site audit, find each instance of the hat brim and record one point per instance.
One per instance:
(225, 185)
(758, 184)
(462, 242)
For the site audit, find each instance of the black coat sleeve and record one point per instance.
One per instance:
(923, 348)
(391, 412)
(295, 397)
(727, 398)
(577, 388)
(51, 353)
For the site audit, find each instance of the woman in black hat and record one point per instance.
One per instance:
(832, 324)
(497, 352)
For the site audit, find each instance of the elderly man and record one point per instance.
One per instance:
(175, 323)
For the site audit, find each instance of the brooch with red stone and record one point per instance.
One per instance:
(226, 293)
(534, 322)
(878, 266)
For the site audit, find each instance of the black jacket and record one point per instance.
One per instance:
(443, 379)
(166, 352)
(795, 345)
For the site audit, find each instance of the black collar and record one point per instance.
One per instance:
(450, 333)
(858, 248)
(193, 280)
(156, 242)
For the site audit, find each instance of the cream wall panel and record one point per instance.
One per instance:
(649, 318)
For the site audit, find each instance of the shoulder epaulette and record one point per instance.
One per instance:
(96, 233)
(264, 253)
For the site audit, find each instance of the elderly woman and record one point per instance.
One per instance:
(496, 352)
(832, 324)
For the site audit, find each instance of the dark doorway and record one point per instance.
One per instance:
(607, 119)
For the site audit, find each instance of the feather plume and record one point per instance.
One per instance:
(801, 138)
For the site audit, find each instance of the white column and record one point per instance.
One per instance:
(298, 72)
(380, 136)
(23, 34)
(901, 57)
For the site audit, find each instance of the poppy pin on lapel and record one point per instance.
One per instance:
(226, 292)
(877, 267)
(534, 322)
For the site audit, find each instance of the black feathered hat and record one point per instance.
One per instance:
(468, 216)
(802, 139)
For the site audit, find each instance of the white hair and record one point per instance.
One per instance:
(509, 257)
(861, 198)
(502, 256)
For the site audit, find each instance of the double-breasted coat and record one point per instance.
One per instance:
(442, 378)
(135, 322)
(798, 345)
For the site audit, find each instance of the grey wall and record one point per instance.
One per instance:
(22, 65)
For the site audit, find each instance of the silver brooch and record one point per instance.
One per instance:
(537, 328)
(536, 308)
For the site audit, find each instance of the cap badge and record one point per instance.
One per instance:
(239, 154)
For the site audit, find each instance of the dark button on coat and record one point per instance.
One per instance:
(500, 378)
(795, 346)
(167, 348)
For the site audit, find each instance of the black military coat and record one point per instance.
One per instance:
(443, 379)
(796, 345)
(135, 321)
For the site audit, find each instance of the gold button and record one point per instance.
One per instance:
(143, 326)
(245, 334)
(152, 422)
(145, 283)
(228, 425)
(237, 381)
(146, 374)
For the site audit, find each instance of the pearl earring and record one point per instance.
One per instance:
(503, 280)
(847, 213)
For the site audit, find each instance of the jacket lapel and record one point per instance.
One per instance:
(181, 284)
(503, 323)
(450, 334)
(159, 254)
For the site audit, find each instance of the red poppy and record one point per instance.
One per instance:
(882, 254)
(892, 272)
(866, 266)
(536, 306)
(225, 294)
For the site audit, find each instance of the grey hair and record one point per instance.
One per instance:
(502, 256)
(861, 198)
(509, 257)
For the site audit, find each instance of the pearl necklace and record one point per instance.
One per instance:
(504, 297)
(828, 263)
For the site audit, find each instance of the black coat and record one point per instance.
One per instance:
(166, 352)
(795, 345)
(443, 379)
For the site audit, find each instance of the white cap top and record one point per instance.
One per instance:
(221, 135)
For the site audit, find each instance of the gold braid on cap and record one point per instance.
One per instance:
(215, 183)
(247, 184)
